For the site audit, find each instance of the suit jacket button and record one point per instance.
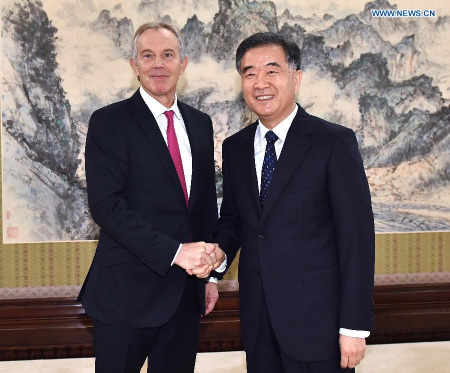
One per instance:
(257, 272)
(262, 235)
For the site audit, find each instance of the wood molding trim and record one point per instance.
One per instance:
(59, 328)
(411, 313)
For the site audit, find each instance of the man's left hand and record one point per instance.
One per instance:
(219, 255)
(211, 296)
(352, 351)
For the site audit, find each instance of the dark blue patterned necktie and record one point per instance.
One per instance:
(268, 168)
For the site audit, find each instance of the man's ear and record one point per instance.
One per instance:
(183, 65)
(297, 79)
(134, 67)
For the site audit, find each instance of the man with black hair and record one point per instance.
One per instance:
(297, 202)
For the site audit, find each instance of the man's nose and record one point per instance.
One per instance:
(157, 62)
(261, 82)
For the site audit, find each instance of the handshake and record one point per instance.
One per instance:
(200, 258)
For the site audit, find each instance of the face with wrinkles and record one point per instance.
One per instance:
(158, 64)
(268, 83)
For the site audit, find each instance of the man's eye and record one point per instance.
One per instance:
(271, 72)
(167, 55)
(147, 55)
(249, 75)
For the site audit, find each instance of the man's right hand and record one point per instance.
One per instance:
(196, 256)
(215, 252)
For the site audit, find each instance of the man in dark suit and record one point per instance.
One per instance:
(296, 201)
(151, 189)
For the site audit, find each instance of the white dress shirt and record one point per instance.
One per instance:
(281, 130)
(158, 110)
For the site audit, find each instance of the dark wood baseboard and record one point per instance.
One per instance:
(59, 328)
(411, 313)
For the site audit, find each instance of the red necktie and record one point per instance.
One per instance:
(174, 150)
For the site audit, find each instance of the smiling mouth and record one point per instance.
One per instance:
(264, 98)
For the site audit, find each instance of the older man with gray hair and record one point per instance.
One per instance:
(151, 189)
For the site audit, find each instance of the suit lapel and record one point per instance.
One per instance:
(194, 137)
(144, 117)
(294, 151)
(247, 161)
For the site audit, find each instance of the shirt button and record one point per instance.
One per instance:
(262, 235)
(257, 272)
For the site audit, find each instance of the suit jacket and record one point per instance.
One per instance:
(136, 198)
(312, 246)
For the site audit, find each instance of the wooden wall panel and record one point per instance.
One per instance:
(59, 328)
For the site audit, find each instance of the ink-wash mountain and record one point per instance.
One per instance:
(236, 20)
(386, 78)
(121, 30)
(195, 38)
(41, 140)
(314, 23)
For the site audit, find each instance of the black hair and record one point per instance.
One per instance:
(263, 39)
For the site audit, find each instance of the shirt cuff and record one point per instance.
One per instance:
(176, 254)
(223, 265)
(354, 333)
(212, 279)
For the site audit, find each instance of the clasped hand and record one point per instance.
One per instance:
(200, 258)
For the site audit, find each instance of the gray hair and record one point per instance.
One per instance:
(156, 26)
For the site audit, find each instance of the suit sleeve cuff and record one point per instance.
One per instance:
(213, 279)
(176, 254)
(354, 333)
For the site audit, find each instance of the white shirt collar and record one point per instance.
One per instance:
(281, 129)
(156, 107)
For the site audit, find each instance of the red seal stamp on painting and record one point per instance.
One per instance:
(12, 232)
(8, 214)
